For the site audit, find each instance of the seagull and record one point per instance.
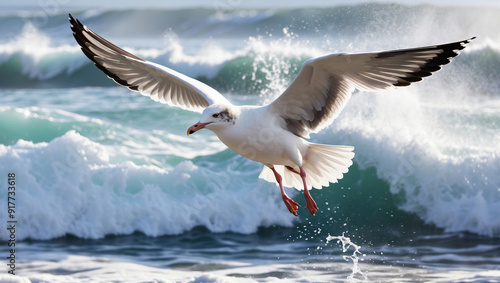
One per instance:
(275, 134)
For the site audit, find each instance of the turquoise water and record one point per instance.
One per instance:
(109, 187)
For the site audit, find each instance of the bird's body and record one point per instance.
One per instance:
(270, 143)
(274, 134)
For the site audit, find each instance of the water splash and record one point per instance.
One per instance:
(346, 245)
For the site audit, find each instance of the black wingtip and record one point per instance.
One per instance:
(447, 53)
(467, 41)
(82, 34)
(74, 23)
(71, 19)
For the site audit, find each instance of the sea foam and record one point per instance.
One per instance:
(437, 159)
(68, 186)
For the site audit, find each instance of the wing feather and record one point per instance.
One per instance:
(150, 79)
(324, 85)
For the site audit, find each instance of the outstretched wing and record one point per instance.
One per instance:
(324, 85)
(150, 79)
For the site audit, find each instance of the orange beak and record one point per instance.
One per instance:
(196, 127)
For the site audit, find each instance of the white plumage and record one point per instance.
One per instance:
(273, 134)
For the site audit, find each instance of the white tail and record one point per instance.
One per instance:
(323, 164)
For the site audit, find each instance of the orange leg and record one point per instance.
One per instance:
(311, 204)
(290, 203)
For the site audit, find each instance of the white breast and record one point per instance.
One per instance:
(259, 136)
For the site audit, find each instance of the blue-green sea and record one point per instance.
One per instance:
(108, 187)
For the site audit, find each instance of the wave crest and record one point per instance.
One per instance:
(69, 187)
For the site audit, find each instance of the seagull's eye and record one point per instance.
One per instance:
(216, 115)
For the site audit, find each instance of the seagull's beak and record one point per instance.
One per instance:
(196, 127)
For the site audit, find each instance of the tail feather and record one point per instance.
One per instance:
(323, 164)
(322, 167)
(330, 164)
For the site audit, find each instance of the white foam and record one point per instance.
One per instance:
(209, 56)
(97, 269)
(194, 57)
(78, 268)
(42, 60)
(441, 158)
(69, 186)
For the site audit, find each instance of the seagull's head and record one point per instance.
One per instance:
(215, 118)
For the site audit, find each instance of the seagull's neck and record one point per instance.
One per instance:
(247, 119)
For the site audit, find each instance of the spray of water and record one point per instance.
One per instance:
(354, 257)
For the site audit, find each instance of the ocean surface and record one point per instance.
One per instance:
(108, 187)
